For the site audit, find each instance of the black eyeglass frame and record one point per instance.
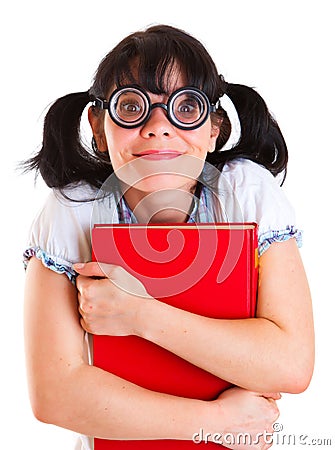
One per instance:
(168, 107)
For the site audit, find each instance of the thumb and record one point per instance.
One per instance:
(91, 269)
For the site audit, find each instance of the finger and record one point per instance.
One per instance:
(81, 309)
(93, 269)
(84, 286)
(84, 325)
(273, 395)
(269, 395)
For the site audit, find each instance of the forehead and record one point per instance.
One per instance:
(157, 80)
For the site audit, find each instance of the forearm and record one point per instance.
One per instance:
(66, 391)
(272, 352)
(90, 401)
(243, 352)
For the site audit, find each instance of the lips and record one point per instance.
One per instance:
(159, 154)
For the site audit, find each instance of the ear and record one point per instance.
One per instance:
(215, 131)
(97, 124)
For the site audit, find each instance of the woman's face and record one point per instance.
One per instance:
(156, 155)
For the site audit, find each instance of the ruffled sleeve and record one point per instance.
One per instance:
(261, 199)
(60, 234)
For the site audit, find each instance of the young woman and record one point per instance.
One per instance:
(158, 101)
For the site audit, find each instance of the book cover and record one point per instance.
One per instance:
(206, 269)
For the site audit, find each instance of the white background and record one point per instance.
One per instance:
(285, 49)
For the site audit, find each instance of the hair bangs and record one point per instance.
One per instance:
(156, 63)
(153, 59)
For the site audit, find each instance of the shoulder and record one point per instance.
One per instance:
(243, 172)
(261, 199)
(73, 196)
(253, 186)
(66, 208)
(60, 233)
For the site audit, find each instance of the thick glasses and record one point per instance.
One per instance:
(129, 107)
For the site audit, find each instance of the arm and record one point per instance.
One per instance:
(68, 392)
(273, 352)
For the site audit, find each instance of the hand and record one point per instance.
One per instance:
(109, 299)
(246, 413)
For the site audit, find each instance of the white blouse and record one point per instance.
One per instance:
(245, 192)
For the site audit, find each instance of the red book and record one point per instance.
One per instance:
(207, 269)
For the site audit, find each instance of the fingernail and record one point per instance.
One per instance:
(78, 266)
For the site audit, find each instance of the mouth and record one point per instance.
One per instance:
(159, 154)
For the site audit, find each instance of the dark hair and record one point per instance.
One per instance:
(146, 58)
(261, 139)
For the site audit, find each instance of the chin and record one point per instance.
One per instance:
(165, 182)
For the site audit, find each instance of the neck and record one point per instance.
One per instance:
(166, 205)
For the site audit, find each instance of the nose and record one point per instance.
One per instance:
(158, 124)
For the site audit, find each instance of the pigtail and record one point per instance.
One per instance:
(261, 139)
(63, 158)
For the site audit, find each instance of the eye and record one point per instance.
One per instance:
(187, 108)
(129, 107)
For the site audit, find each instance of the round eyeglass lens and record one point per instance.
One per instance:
(189, 108)
(129, 106)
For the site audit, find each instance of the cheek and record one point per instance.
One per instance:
(118, 141)
(113, 135)
(200, 140)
